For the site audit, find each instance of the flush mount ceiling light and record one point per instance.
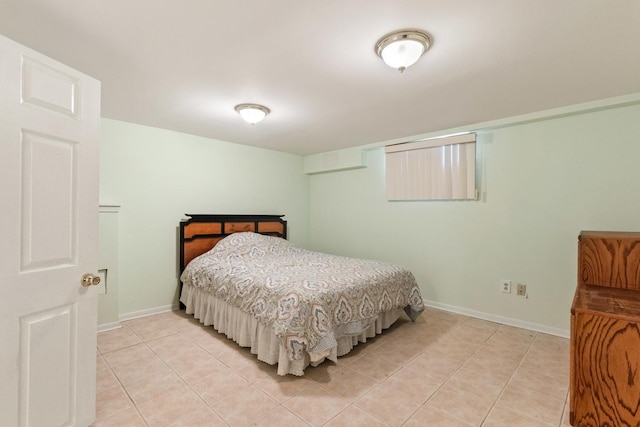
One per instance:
(252, 113)
(402, 49)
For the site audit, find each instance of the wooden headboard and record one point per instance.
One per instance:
(200, 233)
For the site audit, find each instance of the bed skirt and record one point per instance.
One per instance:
(245, 330)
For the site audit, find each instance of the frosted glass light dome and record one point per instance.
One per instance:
(403, 48)
(252, 113)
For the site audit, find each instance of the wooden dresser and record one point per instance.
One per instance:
(605, 331)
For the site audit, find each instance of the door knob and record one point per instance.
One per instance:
(89, 279)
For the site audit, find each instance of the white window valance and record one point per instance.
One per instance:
(432, 169)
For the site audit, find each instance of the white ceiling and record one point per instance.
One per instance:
(184, 65)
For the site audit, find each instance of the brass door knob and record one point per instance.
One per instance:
(89, 279)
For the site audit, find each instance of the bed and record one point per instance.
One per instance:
(292, 307)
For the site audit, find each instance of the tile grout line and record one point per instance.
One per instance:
(536, 336)
(458, 324)
(509, 380)
(186, 383)
(565, 409)
(461, 366)
(124, 389)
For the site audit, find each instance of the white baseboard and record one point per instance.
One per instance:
(109, 326)
(500, 319)
(104, 327)
(148, 312)
(446, 307)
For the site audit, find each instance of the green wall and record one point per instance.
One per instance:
(539, 183)
(157, 176)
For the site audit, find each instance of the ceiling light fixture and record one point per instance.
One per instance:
(402, 49)
(252, 113)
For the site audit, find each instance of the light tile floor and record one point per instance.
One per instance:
(444, 370)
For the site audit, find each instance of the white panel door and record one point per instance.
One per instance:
(49, 130)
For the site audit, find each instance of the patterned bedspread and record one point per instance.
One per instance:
(305, 295)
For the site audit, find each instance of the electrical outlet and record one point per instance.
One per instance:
(521, 290)
(505, 286)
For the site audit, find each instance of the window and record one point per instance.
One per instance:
(432, 169)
